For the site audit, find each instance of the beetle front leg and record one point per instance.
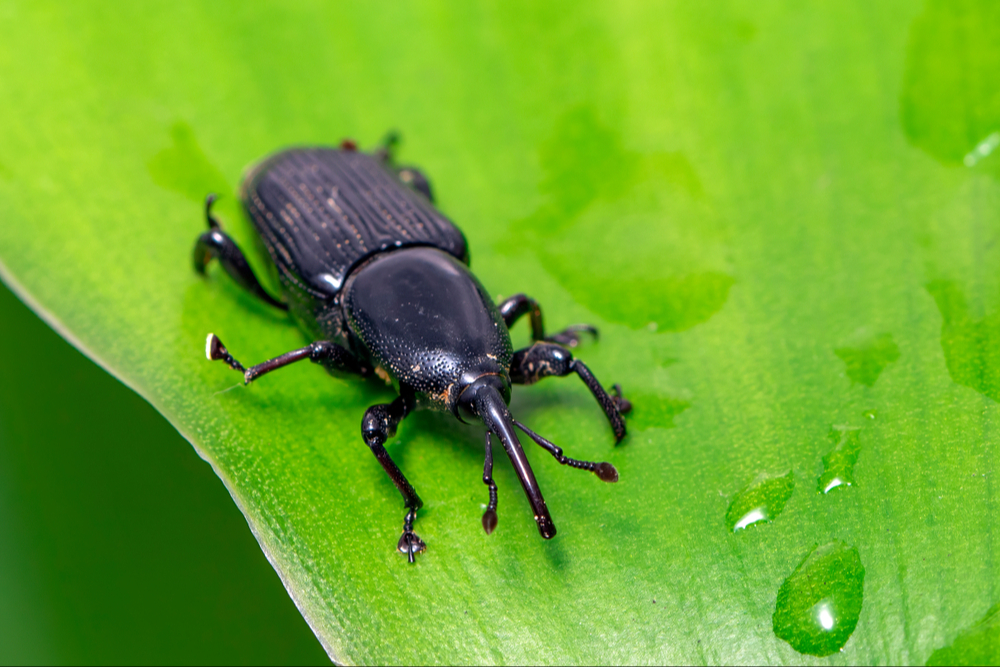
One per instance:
(543, 360)
(379, 424)
(332, 356)
(515, 307)
(216, 244)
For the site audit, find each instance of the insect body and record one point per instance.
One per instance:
(380, 280)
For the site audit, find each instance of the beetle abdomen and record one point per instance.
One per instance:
(320, 211)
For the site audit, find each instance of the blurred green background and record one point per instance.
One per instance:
(117, 543)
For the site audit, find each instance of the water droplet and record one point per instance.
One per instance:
(976, 645)
(819, 603)
(870, 414)
(982, 149)
(761, 500)
(838, 465)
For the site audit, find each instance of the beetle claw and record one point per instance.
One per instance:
(216, 351)
(410, 544)
(623, 404)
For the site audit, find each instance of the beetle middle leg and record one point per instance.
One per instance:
(379, 424)
(544, 359)
(216, 244)
(515, 307)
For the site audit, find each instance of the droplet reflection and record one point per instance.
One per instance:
(760, 501)
(819, 604)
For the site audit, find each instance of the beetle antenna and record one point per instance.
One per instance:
(492, 409)
(604, 470)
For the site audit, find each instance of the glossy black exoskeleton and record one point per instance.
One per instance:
(380, 281)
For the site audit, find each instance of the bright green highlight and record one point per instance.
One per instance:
(838, 465)
(728, 191)
(819, 603)
(761, 500)
(976, 645)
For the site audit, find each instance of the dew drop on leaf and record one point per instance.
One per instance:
(761, 500)
(819, 603)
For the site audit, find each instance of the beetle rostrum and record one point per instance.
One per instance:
(379, 279)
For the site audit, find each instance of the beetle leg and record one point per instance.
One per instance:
(490, 516)
(216, 244)
(379, 424)
(543, 359)
(411, 176)
(332, 356)
(605, 471)
(521, 304)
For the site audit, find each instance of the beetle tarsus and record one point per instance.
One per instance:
(490, 516)
(623, 404)
(571, 336)
(216, 351)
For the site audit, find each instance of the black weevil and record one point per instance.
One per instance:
(380, 280)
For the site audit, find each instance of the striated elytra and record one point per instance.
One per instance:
(379, 279)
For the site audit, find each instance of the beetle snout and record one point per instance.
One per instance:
(466, 409)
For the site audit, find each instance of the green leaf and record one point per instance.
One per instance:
(729, 192)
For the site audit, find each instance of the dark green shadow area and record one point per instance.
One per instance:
(651, 410)
(971, 346)
(865, 356)
(184, 168)
(120, 545)
(586, 163)
(950, 102)
(976, 645)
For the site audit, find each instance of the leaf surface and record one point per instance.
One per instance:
(730, 193)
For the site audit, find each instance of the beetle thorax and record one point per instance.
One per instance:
(426, 320)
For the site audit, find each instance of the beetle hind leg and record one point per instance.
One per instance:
(216, 244)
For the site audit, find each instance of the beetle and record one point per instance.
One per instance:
(380, 281)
